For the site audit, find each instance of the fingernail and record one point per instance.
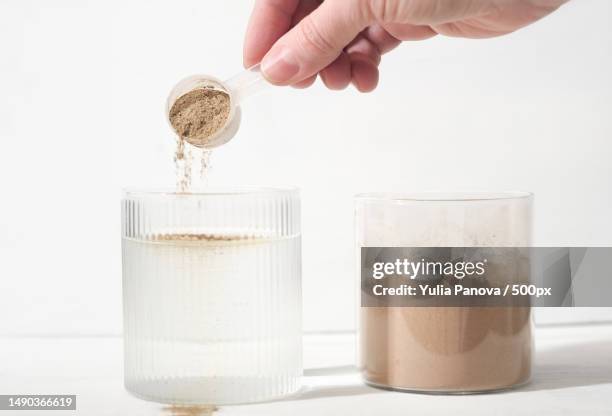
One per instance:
(280, 65)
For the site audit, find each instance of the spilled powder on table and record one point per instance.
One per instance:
(176, 410)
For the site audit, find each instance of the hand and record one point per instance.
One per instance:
(343, 40)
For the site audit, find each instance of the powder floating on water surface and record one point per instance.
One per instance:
(199, 114)
(202, 237)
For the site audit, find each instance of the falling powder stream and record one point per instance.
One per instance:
(182, 164)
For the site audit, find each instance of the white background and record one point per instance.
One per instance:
(82, 91)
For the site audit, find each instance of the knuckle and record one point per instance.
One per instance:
(384, 10)
(311, 38)
(405, 11)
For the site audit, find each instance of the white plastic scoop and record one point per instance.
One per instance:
(238, 88)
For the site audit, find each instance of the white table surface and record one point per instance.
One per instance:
(573, 376)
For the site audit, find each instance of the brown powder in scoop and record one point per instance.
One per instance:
(199, 114)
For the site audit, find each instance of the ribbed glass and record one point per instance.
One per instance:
(212, 295)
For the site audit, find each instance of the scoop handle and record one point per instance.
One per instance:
(247, 83)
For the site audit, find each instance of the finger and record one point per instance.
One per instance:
(306, 82)
(407, 31)
(269, 20)
(382, 39)
(315, 42)
(337, 75)
(365, 49)
(304, 9)
(365, 58)
(364, 73)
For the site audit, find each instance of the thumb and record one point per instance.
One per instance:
(315, 42)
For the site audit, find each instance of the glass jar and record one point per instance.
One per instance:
(462, 349)
(212, 295)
